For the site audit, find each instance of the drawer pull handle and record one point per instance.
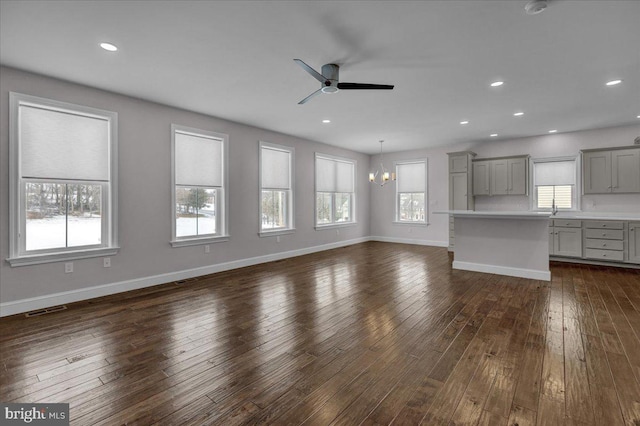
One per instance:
(604, 245)
(603, 234)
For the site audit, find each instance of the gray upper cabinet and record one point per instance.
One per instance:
(458, 162)
(459, 190)
(500, 176)
(481, 178)
(611, 170)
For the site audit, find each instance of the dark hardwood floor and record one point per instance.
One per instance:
(374, 333)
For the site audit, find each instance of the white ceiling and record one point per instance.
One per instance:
(234, 60)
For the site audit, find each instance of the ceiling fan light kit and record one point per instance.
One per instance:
(535, 6)
(330, 81)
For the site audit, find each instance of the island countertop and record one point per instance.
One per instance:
(498, 214)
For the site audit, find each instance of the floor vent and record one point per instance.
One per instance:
(45, 311)
(186, 280)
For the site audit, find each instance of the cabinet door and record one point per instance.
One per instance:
(625, 170)
(597, 172)
(458, 163)
(567, 242)
(458, 188)
(634, 242)
(517, 176)
(481, 178)
(499, 177)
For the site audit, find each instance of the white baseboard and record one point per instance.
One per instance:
(410, 241)
(31, 304)
(503, 270)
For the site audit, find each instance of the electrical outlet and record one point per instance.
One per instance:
(277, 238)
(207, 248)
(107, 262)
(337, 232)
(68, 267)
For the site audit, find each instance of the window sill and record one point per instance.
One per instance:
(59, 257)
(335, 225)
(425, 224)
(277, 232)
(199, 241)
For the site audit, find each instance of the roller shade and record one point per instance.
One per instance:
(63, 145)
(276, 166)
(198, 160)
(555, 173)
(411, 177)
(334, 175)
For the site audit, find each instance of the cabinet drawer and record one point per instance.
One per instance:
(602, 224)
(604, 234)
(451, 234)
(567, 223)
(605, 244)
(604, 254)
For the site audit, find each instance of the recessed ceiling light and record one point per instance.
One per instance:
(518, 114)
(108, 46)
(464, 122)
(497, 83)
(613, 82)
(493, 135)
(326, 121)
(638, 116)
(553, 131)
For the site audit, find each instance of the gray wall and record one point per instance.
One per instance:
(555, 145)
(145, 194)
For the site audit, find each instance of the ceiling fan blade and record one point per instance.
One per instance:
(315, 74)
(305, 100)
(364, 86)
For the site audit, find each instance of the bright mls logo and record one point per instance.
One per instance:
(35, 414)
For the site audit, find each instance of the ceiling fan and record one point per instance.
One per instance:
(330, 83)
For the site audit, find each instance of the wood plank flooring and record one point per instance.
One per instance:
(371, 334)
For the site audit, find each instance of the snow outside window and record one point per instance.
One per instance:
(63, 167)
(199, 186)
(335, 190)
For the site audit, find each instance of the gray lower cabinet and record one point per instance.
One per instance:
(604, 240)
(634, 242)
(566, 235)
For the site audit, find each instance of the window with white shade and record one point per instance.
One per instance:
(411, 192)
(335, 190)
(62, 181)
(199, 197)
(554, 184)
(276, 189)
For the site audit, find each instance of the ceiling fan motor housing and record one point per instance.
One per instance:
(331, 73)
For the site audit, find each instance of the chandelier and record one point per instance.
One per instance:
(384, 175)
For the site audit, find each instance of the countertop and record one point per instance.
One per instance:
(523, 214)
(516, 214)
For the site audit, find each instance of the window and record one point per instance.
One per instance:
(199, 198)
(335, 190)
(554, 183)
(276, 195)
(62, 180)
(411, 188)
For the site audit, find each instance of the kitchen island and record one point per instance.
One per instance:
(513, 243)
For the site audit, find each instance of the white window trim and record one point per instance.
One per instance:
(421, 223)
(291, 214)
(223, 220)
(335, 225)
(577, 198)
(19, 257)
